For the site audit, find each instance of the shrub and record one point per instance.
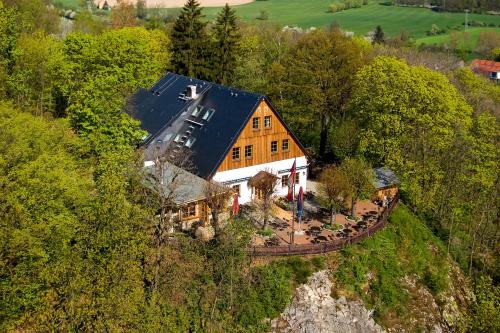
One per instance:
(266, 232)
(264, 15)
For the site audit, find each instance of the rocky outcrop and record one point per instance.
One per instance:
(313, 309)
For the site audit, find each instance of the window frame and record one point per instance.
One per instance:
(238, 150)
(256, 121)
(266, 119)
(287, 145)
(250, 149)
(284, 180)
(186, 210)
(272, 144)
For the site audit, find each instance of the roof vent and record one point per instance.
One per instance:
(191, 92)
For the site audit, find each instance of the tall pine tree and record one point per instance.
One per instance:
(226, 46)
(190, 42)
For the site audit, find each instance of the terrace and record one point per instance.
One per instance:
(315, 234)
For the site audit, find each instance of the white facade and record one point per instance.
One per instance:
(279, 168)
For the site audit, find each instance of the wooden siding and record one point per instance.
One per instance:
(261, 140)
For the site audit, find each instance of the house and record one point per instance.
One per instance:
(488, 68)
(385, 182)
(228, 135)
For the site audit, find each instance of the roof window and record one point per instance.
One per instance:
(190, 142)
(197, 110)
(208, 114)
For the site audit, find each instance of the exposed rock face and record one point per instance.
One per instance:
(205, 233)
(313, 310)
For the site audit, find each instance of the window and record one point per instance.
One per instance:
(189, 211)
(248, 151)
(297, 177)
(208, 114)
(190, 142)
(236, 189)
(197, 110)
(274, 147)
(236, 154)
(284, 180)
(267, 121)
(285, 145)
(256, 123)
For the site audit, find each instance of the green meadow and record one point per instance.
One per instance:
(465, 41)
(416, 21)
(314, 13)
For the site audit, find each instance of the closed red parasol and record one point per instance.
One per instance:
(236, 205)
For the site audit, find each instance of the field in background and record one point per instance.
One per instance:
(462, 43)
(309, 13)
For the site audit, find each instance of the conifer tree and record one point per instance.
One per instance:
(378, 36)
(226, 46)
(189, 42)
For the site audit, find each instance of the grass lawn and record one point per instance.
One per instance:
(462, 44)
(393, 20)
(68, 4)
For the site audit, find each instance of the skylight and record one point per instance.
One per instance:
(197, 110)
(208, 114)
(190, 142)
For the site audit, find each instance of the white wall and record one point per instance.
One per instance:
(279, 168)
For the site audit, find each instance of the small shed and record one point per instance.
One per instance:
(386, 183)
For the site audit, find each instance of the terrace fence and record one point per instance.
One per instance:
(328, 246)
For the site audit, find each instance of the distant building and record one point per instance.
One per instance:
(488, 68)
(229, 135)
(386, 183)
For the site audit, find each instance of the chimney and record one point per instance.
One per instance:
(191, 92)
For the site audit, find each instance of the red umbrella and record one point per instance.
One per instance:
(236, 205)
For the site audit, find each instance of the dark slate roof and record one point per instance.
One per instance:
(384, 177)
(164, 113)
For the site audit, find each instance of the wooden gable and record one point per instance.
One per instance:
(261, 140)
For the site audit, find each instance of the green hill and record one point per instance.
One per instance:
(404, 274)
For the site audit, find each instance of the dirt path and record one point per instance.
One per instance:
(180, 3)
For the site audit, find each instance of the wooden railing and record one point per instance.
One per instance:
(329, 246)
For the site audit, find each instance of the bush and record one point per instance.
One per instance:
(265, 232)
(264, 15)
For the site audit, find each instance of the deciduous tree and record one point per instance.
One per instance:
(358, 177)
(313, 82)
(334, 190)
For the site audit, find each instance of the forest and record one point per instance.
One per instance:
(78, 250)
(456, 5)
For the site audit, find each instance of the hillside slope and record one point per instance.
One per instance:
(402, 275)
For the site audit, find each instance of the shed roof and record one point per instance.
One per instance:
(384, 177)
(176, 184)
